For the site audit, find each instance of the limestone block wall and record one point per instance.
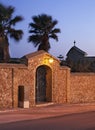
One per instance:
(11, 76)
(61, 83)
(60, 77)
(82, 87)
(33, 64)
(14, 75)
(63, 86)
(26, 76)
(6, 93)
(22, 77)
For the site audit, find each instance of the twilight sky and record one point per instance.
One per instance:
(76, 19)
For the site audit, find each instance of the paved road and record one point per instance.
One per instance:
(82, 121)
(43, 111)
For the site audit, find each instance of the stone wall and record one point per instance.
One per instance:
(6, 93)
(82, 87)
(27, 77)
(62, 87)
(21, 78)
(11, 75)
(33, 63)
(61, 81)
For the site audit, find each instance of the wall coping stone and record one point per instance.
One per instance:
(8, 65)
(82, 74)
(65, 67)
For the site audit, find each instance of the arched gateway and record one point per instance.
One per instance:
(43, 85)
(39, 78)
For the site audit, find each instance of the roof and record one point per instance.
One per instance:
(30, 55)
(37, 53)
(92, 58)
(77, 49)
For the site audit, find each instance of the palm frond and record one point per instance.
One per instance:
(42, 29)
(7, 20)
(15, 20)
(54, 22)
(6, 12)
(54, 36)
(35, 39)
(56, 30)
(35, 26)
(10, 10)
(16, 34)
(36, 19)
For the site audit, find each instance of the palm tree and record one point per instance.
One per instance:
(7, 23)
(42, 29)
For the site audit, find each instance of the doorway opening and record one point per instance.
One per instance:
(43, 84)
(23, 97)
(20, 96)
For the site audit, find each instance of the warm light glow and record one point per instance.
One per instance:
(51, 60)
(48, 60)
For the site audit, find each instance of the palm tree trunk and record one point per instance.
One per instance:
(45, 43)
(4, 50)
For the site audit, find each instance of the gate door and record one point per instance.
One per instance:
(41, 84)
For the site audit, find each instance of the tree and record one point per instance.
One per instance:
(42, 29)
(7, 24)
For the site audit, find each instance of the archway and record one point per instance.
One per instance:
(43, 84)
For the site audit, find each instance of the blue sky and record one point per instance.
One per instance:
(76, 19)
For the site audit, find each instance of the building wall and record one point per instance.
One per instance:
(23, 77)
(67, 87)
(27, 77)
(33, 64)
(6, 93)
(61, 83)
(82, 87)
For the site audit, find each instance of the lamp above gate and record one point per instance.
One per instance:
(51, 60)
(48, 60)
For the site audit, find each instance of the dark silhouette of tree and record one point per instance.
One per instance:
(7, 24)
(42, 29)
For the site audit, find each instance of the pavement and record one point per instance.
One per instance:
(43, 111)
